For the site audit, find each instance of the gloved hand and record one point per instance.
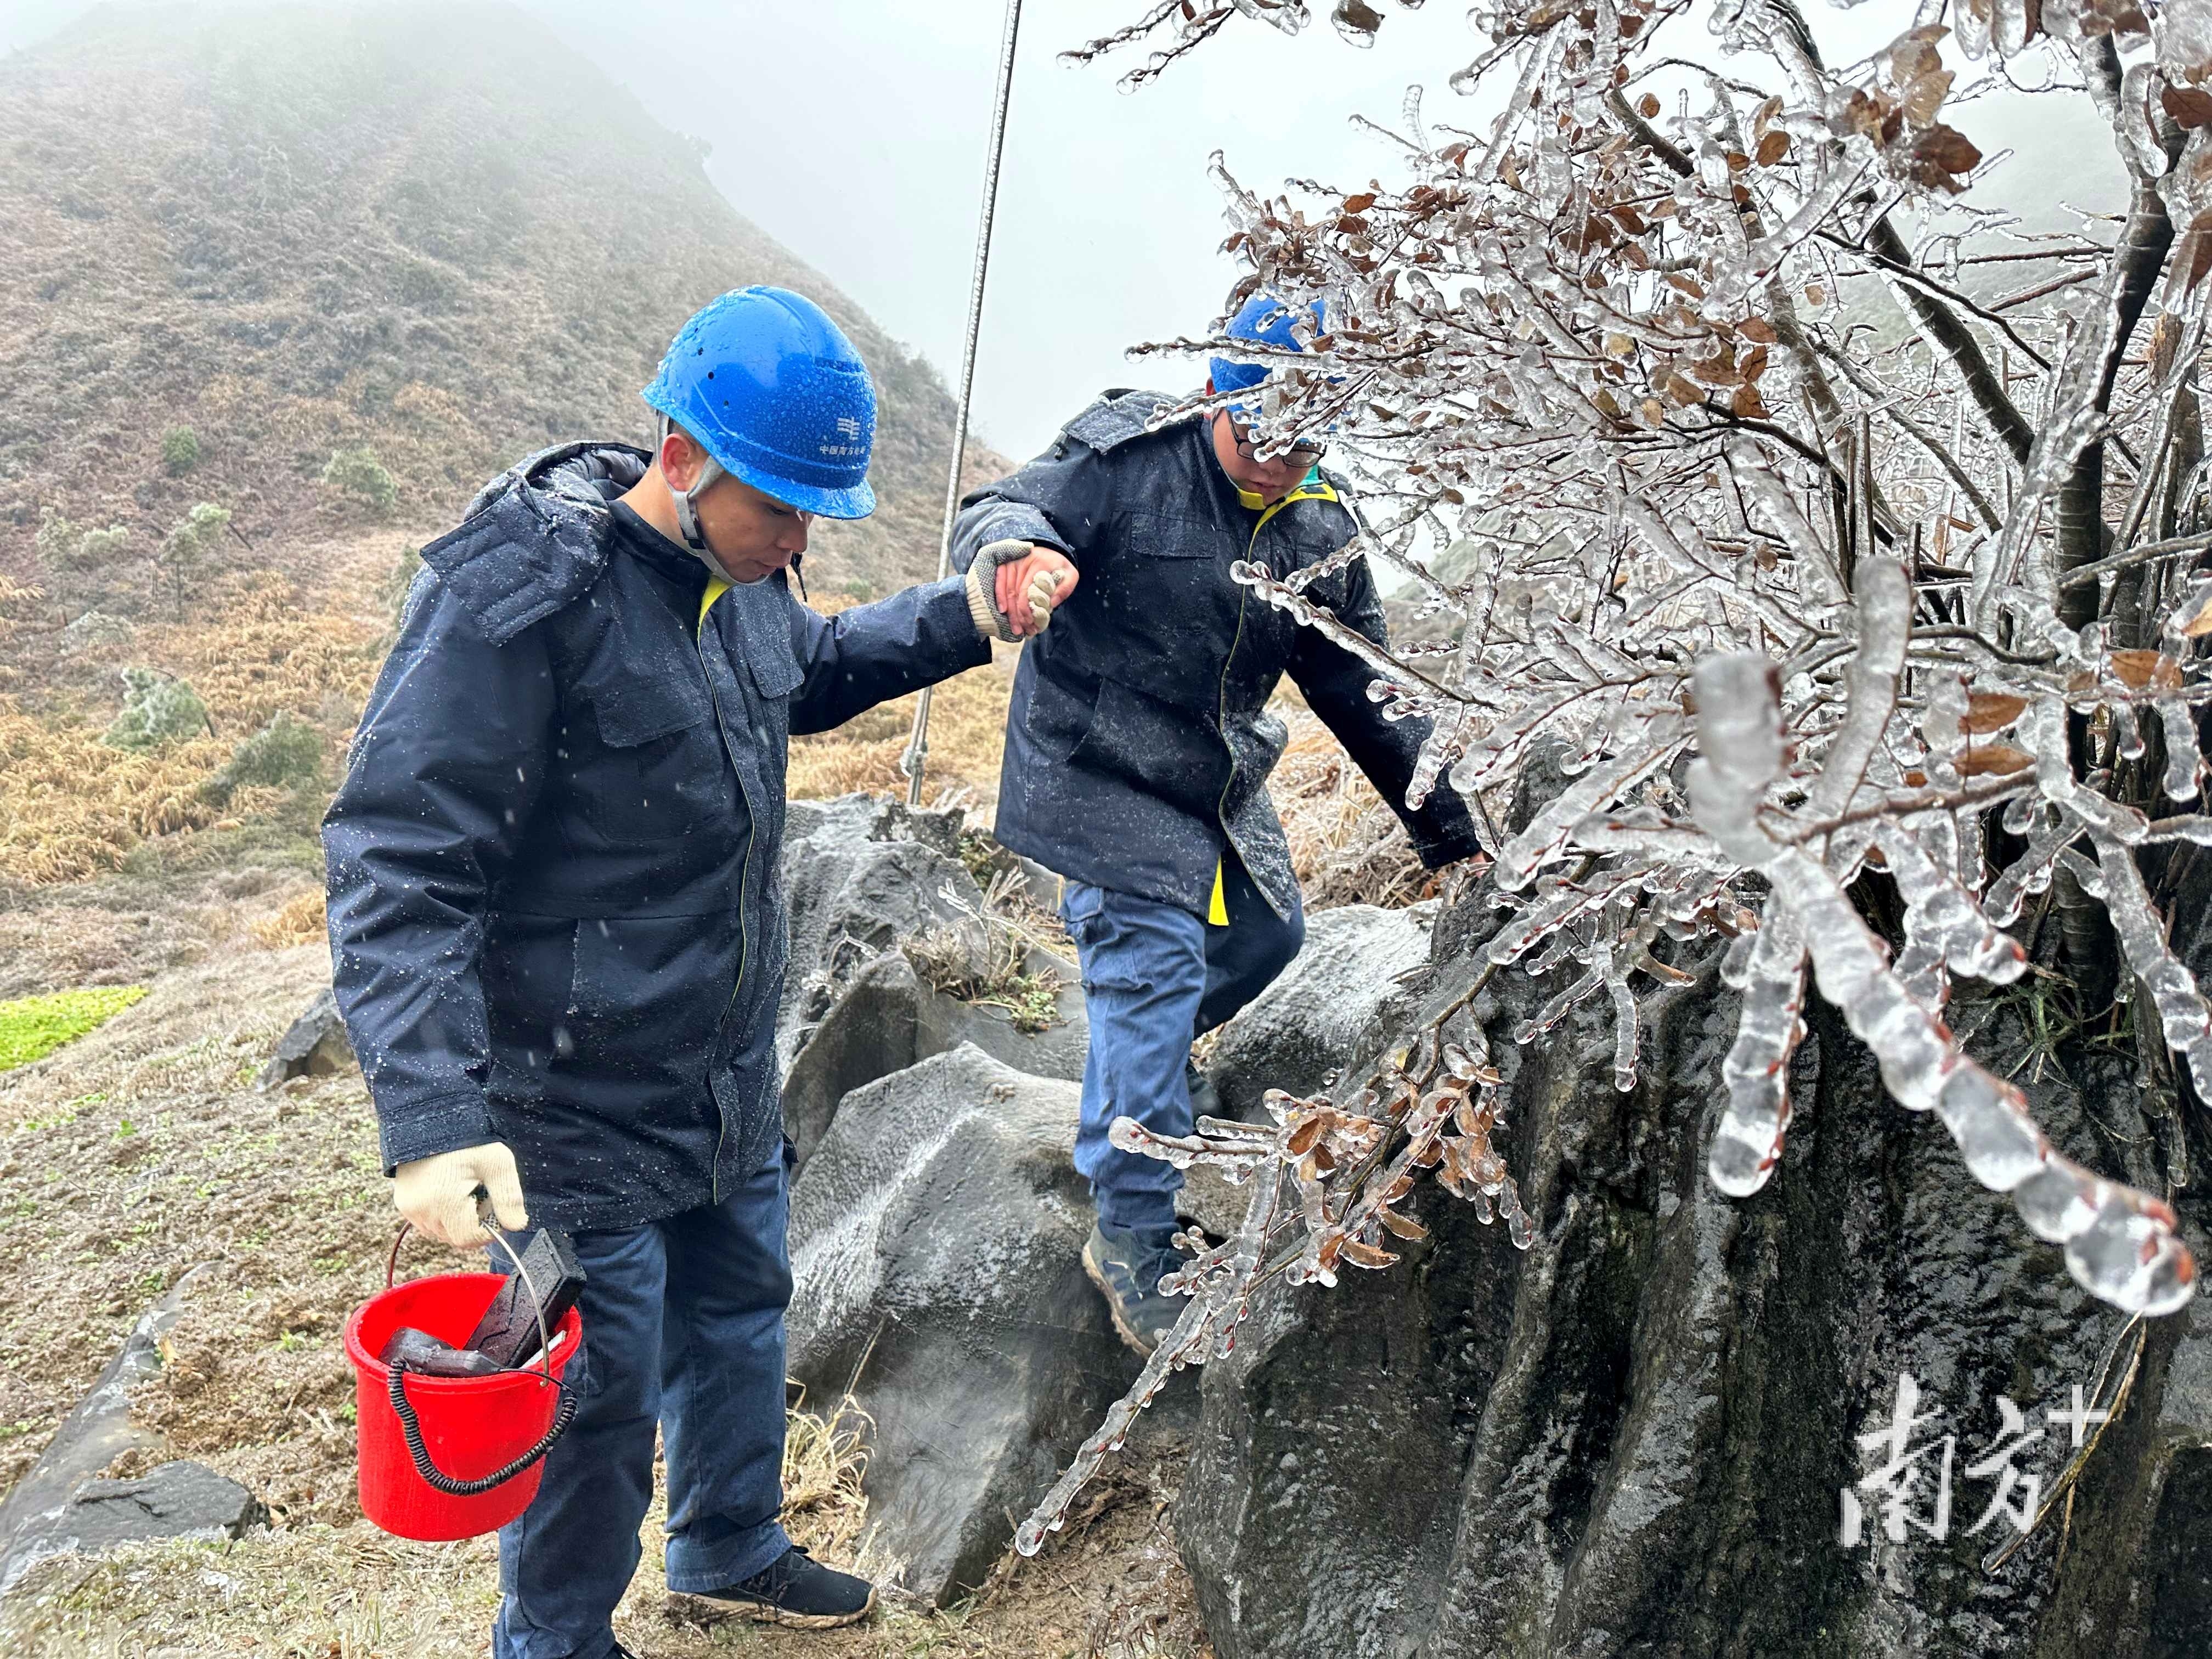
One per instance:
(440, 1195)
(1014, 587)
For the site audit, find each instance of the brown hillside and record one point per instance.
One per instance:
(429, 229)
(424, 229)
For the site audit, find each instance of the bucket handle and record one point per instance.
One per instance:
(411, 1428)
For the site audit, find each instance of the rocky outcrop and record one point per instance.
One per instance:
(936, 1238)
(1352, 985)
(62, 1505)
(1633, 1438)
(887, 1019)
(859, 876)
(314, 1045)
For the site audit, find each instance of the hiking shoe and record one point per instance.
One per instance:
(1128, 1271)
(799, 1592)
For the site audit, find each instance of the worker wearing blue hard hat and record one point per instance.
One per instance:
(1139, 744)
(558, 932)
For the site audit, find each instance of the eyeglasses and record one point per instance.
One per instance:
(1307, 454)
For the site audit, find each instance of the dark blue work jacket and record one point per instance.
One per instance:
(1139, 744)
(554, 908)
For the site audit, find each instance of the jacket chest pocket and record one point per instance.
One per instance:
(661, 772)
(1168, 598)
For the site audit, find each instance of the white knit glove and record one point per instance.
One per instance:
(440, 1195)
(983, 591)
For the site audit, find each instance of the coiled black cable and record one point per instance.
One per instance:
(410, 1429)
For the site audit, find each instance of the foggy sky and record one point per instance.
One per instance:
(852, 132)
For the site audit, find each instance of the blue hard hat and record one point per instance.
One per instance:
(1267, 321)
(779, 398)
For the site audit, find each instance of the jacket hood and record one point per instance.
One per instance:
(535, 538)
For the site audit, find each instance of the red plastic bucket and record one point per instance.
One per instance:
(470, 1426)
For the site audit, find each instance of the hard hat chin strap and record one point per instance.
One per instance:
(687, 512)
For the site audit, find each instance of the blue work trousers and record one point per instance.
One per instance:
(682, 1331)
(1154, 978)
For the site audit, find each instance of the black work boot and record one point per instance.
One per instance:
(797, 1592)
(1128, 1267)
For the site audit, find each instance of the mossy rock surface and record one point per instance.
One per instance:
(30, 1027)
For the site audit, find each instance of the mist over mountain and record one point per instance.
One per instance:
(431, 230)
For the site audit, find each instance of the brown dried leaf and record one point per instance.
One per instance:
(1758, 329)
(2190, 107)
(1647, 106)
(1303, 1138)
(1947, 150)
(2134, 669)
(1366, 1255)
(1773, 148)
(1992, 711)
(1995, 757)
(1746, 405)
(2198, 625)
(1925, 95)
(1360, 202)
(1403, 1225)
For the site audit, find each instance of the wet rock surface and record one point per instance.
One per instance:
(62, 1505)
(314, 1045)
(1632, 1439)
(936, 1238)
(860, 875)
(887, 1019)
(1353, 982)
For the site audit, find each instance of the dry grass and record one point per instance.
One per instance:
(142, 1149)
(301, 921)
(71, 806)
(967, 732)
(1346, 845)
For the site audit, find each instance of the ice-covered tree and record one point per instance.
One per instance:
(1802, 605)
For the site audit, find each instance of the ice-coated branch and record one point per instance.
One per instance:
(2121, 1245)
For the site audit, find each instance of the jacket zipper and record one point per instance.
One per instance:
(1244, 594)
(745, 925)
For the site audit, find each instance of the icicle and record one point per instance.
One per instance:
(2185, 1020)
(2121, 1245)
(2183, 762)
(1546, 834)
(1884, 616)
(1624, 1015)
(1748, 1142)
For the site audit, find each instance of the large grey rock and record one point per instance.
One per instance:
(59, 1504)
(859, 875)
(936, 1237)
(174, 1500)
(887, 1020)
(1631, 1439)
(1344, 993)
(314, 1045)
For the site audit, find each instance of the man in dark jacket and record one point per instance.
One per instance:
(1139, 746)
(559, 936)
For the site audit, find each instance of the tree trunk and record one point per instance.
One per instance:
(1632, 1439)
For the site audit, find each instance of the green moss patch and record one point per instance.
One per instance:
(30, 1027)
